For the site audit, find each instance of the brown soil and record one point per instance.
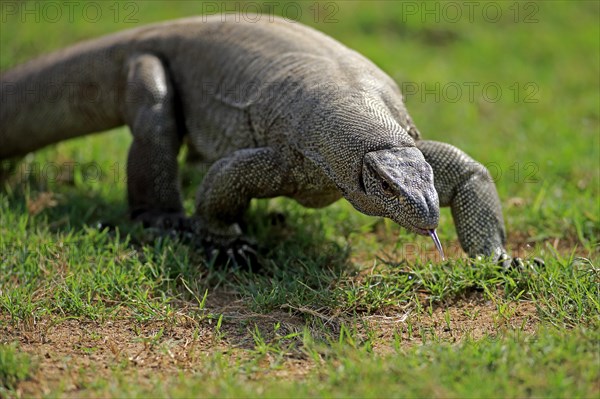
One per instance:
(71, 353)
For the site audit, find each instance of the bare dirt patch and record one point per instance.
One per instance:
(72, 353)
(469, 317)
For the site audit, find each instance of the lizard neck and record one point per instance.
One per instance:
(338, 133)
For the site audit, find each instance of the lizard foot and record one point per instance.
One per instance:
(277, 219)
(176, 221)
(508, 263)
(238, 253)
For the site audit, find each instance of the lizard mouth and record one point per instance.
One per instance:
(431, 233)
(418, 230)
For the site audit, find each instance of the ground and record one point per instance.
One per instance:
(347, 305)
(73, 353)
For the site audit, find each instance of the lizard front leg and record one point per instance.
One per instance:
(226, 191)
(152, 169)
(467, 187)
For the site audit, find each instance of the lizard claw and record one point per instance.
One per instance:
(508, 263)
(237, 254)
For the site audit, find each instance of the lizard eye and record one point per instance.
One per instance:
(385, 186)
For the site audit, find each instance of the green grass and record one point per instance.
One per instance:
(15, 366)
(550, 365)
(337, 312)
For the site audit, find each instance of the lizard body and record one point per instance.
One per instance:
(276, 108)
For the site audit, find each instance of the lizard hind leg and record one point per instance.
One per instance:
(467, 187)
(152, 168)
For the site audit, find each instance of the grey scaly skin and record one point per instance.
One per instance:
(276, 108)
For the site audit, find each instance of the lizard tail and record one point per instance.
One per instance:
(68, 93)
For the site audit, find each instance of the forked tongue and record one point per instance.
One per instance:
(437, 242)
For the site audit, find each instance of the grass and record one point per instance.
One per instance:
(348, 305)
(15, 366)
(564, 367)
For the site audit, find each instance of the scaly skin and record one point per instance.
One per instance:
(276, 108)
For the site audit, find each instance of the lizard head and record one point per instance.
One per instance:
(398, 184)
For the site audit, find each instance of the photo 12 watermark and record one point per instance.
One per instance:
(527, 172)
(471, 92)
(425, 251)
(469, 11)
(256, 11)
(128, 12)
(55, 12)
